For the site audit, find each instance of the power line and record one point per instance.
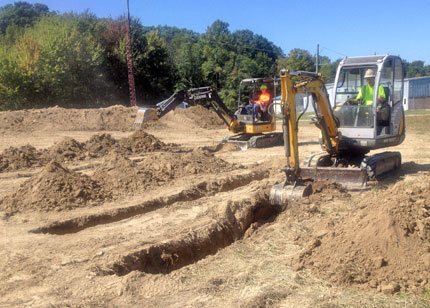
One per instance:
(334, 51)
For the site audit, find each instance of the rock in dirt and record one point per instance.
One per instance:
(55, 188)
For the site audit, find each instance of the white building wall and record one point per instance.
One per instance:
(406, 94)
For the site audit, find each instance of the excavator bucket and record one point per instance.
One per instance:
(145, 114)
(280, 194)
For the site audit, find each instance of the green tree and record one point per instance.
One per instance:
(21, 14)
(50, 63)
(415, 69)
(297, 60)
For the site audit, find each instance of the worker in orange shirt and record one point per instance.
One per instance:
(262, 104)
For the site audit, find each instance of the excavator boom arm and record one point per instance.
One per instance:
(192, 97)
(293, 83)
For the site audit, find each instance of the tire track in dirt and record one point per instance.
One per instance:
(196, 191)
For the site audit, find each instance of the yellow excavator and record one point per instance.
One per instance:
(348, 132)
(248, 131)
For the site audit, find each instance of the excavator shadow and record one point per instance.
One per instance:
(308, 143)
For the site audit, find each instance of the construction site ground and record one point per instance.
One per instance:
(96, 214)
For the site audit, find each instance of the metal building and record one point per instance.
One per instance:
(416, 93)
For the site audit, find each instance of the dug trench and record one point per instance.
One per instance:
(203, 188)
(233, 220)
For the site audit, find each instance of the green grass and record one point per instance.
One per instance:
(417, 112)
(419, 123)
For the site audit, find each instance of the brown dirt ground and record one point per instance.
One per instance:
(93, 216)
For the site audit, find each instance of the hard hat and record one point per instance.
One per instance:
(369, 73)
(263, 87)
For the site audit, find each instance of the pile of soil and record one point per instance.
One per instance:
(119, 173)
(55, 188)
(195, 116)
(27, 156)
(68, 149)
(116, 118)
(372, 245)
(140, 142)
(99, 145)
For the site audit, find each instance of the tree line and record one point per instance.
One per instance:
(79, 60)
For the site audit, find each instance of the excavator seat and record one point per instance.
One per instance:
(383, 110)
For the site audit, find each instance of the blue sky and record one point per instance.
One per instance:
(352, 28)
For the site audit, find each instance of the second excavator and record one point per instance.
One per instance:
(362, 120)
(249, 129)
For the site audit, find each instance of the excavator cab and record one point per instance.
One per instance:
(369, 124)
(250, 91)
(359, 123)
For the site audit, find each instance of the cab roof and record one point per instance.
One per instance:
(364, 60)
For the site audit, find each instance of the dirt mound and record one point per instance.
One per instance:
(117, 118)
(20, 158)
(55, 188)
(195, 116)
(118, 172)
(140, 142)
(373, 245)
(68, 149)
(99, 145)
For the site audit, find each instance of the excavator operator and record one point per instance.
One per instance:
(366, 91)
(260, 106)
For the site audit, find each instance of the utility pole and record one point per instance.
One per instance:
(317, 58)
(131, 86)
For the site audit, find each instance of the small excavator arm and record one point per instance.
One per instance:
(192, 97)
(293, 83)
(307, 83)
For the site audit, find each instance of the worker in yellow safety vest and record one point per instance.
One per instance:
(366, 91)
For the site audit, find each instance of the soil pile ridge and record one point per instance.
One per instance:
(55, 188)
(99, 145)
(141, 142)
(383, 243)
(68, 149)
(195, 116)
(119, 173)
(27, 156)
(116, 118)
